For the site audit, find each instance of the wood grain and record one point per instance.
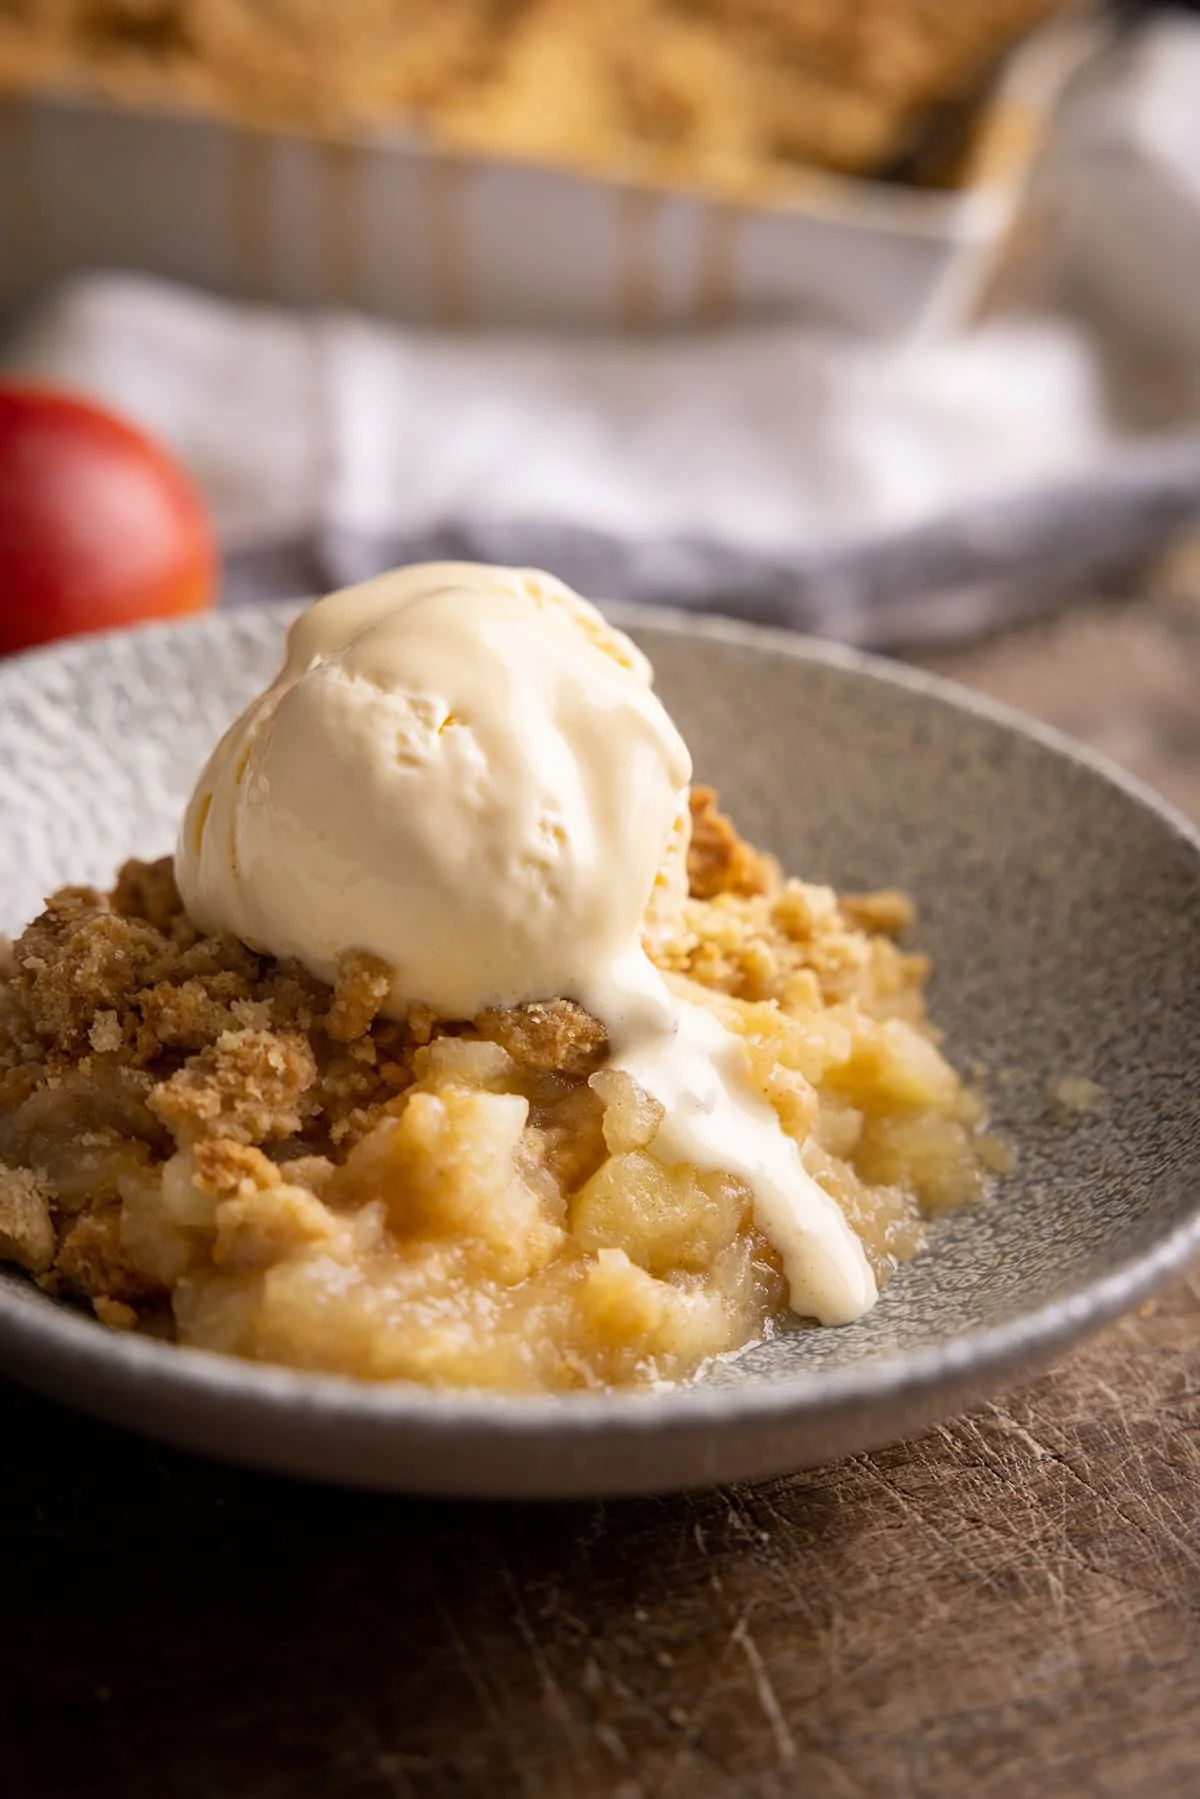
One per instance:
(1007, 1605)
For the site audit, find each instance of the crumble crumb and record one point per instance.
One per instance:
(78, 959)
(555, 1033)
(363, 983)
(188, 1014)
(93, 1261)
(252, 1014)
(226, 1170)
(996, 1153)
(422, 1024)
(889, 911)
(296, 999)
(1075, 1093)
(106, 1035)
(115, 1313)
(719, 860)
(147, 890)
(26, 1225)
(249, 1086)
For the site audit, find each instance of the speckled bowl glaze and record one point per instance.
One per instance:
(1060, 900)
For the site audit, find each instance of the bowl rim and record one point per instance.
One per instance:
(32, 1324)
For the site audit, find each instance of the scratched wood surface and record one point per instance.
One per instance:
(1007, 1605)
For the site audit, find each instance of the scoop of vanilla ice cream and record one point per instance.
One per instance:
(464, 770)
(460, 769)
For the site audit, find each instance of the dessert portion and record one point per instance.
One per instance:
(463, 1040)
(737, 94)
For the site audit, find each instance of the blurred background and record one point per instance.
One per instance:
(880, 321)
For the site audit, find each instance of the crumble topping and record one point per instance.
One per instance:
(249, 1087)
(201, 1137)
(361, 988)
(552, 1034)
(719, 861)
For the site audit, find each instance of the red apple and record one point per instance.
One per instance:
(99, 526)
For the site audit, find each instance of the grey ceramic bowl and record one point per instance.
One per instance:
(1060, 900)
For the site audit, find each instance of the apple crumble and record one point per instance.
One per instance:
(735, 94)
(210, 1143)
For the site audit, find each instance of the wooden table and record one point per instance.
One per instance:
(1006, 1606)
